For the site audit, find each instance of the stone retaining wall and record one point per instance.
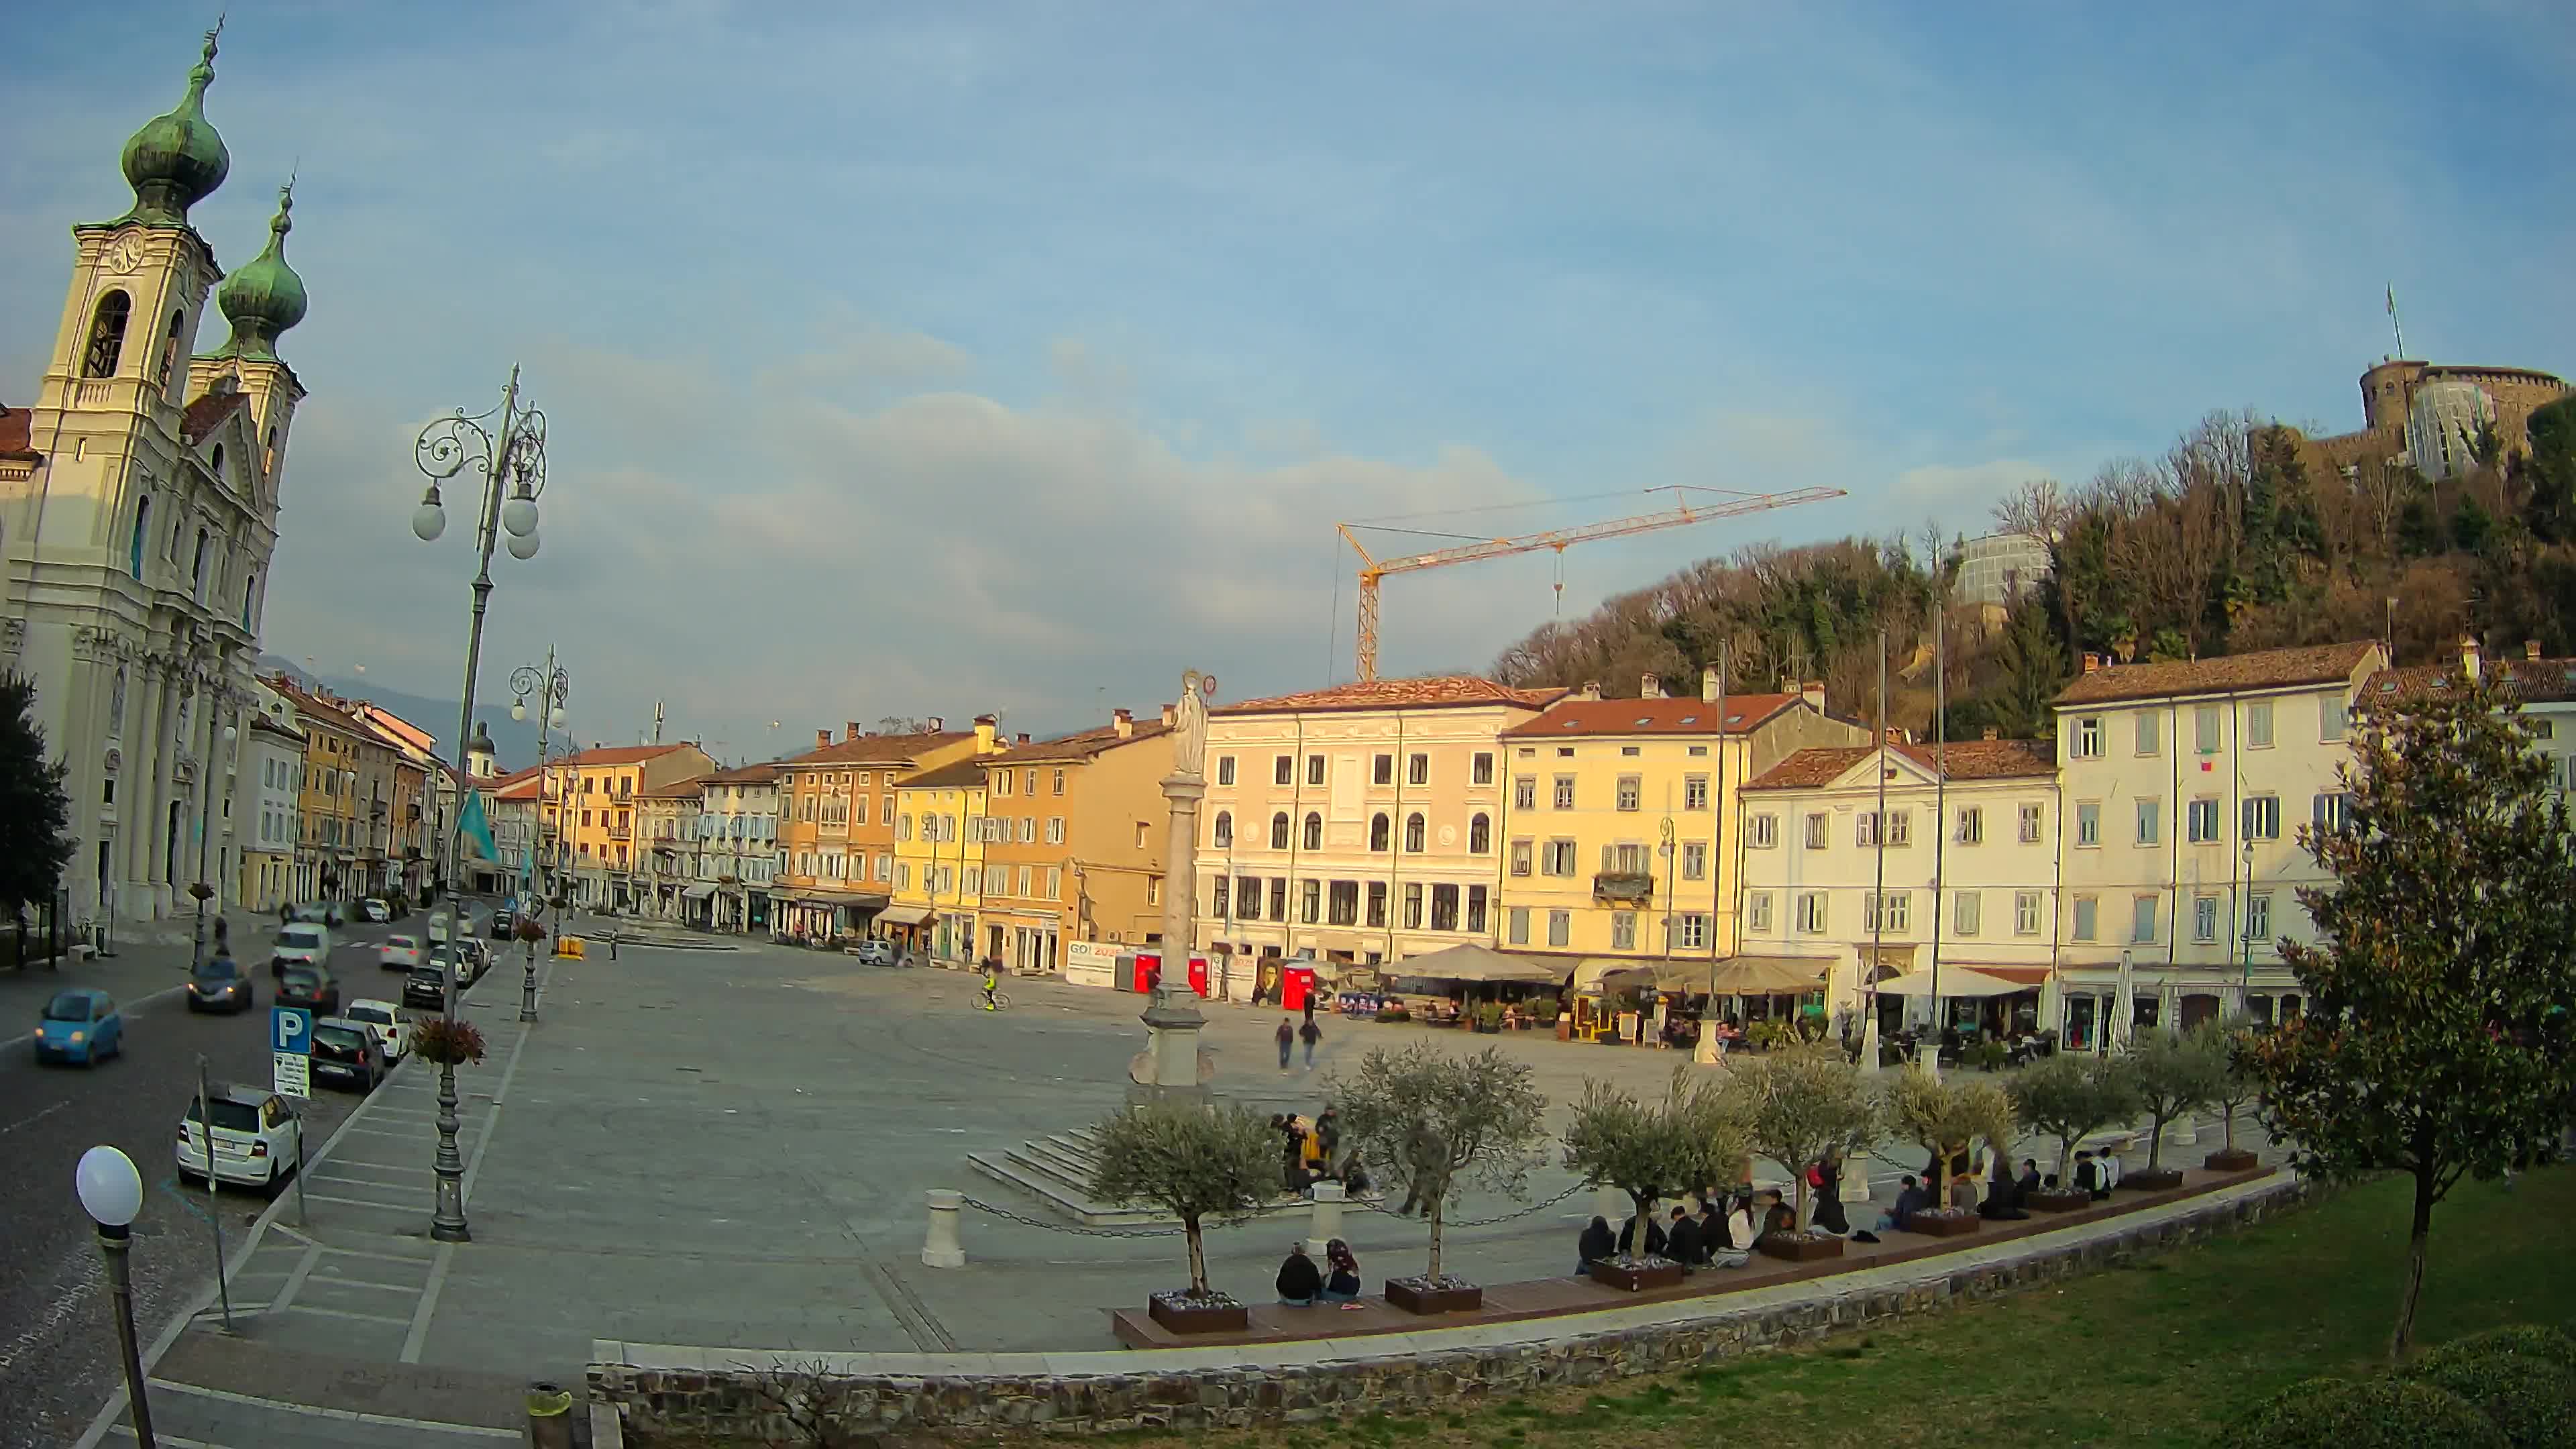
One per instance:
(670, 1403)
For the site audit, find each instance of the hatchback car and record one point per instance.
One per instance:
(504, 922)
(311, 988)
(874, 953)
(253, 1137)
(79, 1025)
(386, 1020)
(219, 984)
(400, 953)
(300, 943)
(375, 909)
(347, 1052)
(426, 986)
(320, 913)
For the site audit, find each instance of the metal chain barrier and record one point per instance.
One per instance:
(1026, 1221)
(1447, 1223)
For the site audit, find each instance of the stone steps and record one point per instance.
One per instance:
(1056, 1170)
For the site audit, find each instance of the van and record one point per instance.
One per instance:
(300, 943)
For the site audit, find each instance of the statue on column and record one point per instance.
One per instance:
(1189, 727)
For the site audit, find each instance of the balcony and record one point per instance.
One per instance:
(620, 832)
(1623, 887)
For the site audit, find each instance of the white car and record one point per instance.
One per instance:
(302, 943)
(385, 1020)
(401, 953)
(376, 910)
(254, 1137)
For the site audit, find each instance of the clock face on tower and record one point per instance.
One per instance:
(123, 254)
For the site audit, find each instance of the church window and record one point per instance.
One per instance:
(170, 347)
(250, 591)
(142, 520)
(197, 570)
(107, 335)
(218, 468)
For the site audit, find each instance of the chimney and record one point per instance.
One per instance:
(935, 725)
(1649, 687)
(1896, 734)
(2531, 650)
(1123, 722)
(2091, 661)
(1993, 733)
(987, 727)
(850, 730)
(1708, 685)
(1171, 715)
(1021, 738)
(1591, 690)
(822, 738)
(1813, 691)
(2469, 657)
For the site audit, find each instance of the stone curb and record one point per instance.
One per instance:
(660, 1390)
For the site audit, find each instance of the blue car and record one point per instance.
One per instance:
(80, 1025)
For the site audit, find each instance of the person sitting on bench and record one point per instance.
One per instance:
(1299, 1279)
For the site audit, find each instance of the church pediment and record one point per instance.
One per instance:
(222, 437)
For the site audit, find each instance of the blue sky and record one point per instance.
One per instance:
(896, 354)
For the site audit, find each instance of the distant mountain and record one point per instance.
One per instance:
(516, 742)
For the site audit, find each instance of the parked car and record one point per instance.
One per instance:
(400, 953)
(310, 987)
(874, 953)
(477, 956)
(299, 943)
(252, 1133)
(392, 1028)
(319, 913)
(79, 1025)
(426, 986)
(347, 1051)
(377, 909)
(219, 984)
(503, 923)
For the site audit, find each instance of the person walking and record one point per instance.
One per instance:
(1311, 1035)
(1287, 1040)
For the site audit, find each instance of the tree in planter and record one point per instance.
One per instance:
(2071, 1096)
(2174, 1075)
(2435, 1041)
(1945, 1117)
(1799, 1103)
(1196, 1163)
(1427, 1120)
(2233, 1087)
(1692, 1138)
(35, 815)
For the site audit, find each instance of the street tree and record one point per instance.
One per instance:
(1690, 1139)
(1429, 1121)
(2175, 1074)
(1802, 1102)
(2072, 1095)
(2234, 1088)
(35, 814)
(1197, 1163)
(1946, 1117)
(2436, 1041)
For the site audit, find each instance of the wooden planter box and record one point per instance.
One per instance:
(1413, 1296)
(2231, 1159)
(2161, 1180)
(1657, 1274)
(2058, 1202)
(1943, 1225)
(1810, 1249)
(1182, 1317)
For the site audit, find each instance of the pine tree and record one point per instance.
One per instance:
(35, 815)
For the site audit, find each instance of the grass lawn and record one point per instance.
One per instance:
(2167, 1351)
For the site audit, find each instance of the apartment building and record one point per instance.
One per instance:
(591, 799)
(1615, 829)
(942, 826)
(1361, 823)
(2184, 786)
(666, 825)
(333, 824)
(738, 846)
(836, 812)
(1074, 837)
(272, 764)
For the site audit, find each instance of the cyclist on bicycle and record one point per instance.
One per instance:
(992, 981)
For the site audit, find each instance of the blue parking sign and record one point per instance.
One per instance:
(290, 1030)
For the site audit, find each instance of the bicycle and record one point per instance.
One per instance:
(999, 1001)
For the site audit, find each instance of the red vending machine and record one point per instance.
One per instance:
(1141, 976)
(1296, 985)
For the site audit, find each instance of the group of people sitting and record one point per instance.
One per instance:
(1721, 1234)
(1302, 1285)
(1311, 1152)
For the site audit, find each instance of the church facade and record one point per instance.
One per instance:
(138, 515)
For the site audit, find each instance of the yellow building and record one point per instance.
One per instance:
(940, 825)
(594, 793)
(1076, 849)
(836, 812)
(1615, 823)
(330, 835)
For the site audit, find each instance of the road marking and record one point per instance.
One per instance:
(320, 1277)
(122, 1432)
(465, 1187)
(345, 1313)
(295, 1280)
(428, 1304)
(317, 1411)
(389, 1207)
(35, 1117)
(378, 1257)
(376, 1166)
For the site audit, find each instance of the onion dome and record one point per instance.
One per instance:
(177, 160)
(264, 297)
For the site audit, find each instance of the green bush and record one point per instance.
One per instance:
(1545, 1012)
(2531, 1399)
(2380, 1413)
(1393, 1013)
(2514, 1340)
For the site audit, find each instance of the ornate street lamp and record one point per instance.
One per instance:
(551, 686)
(111, 1192)
(508, 447)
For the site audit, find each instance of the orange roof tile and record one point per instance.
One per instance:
(2534, 681)
(1439, 691)
(957, 774)
(1080, 745)
(620, 754)
(208, 412)
(761, 774)
(874, 749)
(16, 436)
(1966, 760)
(2264, 669)
(1570, 718)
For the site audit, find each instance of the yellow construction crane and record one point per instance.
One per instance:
(1731, 505)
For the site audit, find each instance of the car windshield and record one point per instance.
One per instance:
(343, 1037)
(375, 1014)
(230, 1115)
(301, 937)
(68, 1006)
(221, 967)
(303, 980)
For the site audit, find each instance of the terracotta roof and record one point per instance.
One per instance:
(2536, 681)
(875, 749)
(2267, 669)
(1966, 759)
(276, 727)
(208, 412)
(1080, 745)
(522, 785)
(334, 713)
(1439, 691)
(1691, 716)
(965, 774)
(620, 755)
(761, 774)
(16, 437)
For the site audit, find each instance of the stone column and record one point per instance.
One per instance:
(940, 1247)
(135, 798)
(1169, 1067)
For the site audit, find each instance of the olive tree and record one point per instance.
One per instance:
(1196, 1163)
(2174, 1075)
(2072, 1095)
(2237, 1087)
(1800, 1103)
(1944, 1117)
(1648, 1149)
(1430, 1120)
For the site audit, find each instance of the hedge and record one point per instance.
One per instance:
(2380, 1413)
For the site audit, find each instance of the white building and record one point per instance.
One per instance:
(738, 859)
(138, 512)
(2184, 786)
(1960, 872)
(271, 819)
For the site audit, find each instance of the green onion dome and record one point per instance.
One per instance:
(177, 160)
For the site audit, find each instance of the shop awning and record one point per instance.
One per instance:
(905, 916)
(1766, 975)
(698, 892)
(1955, 981)
(1471, 962)
(2028, 978)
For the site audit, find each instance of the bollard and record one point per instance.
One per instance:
(549, 1416)
(1329, 1197)
(941, 1248)
(1855, 1185)
(2181, 1131)
(1927, 1055)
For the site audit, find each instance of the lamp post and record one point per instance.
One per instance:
(111, 1192)
(551, 686)
(204, 888)
(511, 455)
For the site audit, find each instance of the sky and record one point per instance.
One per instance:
(923, 359)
